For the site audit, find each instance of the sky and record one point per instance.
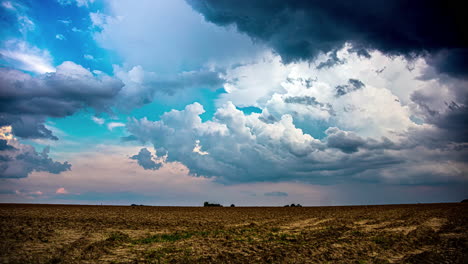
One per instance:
(256, 103)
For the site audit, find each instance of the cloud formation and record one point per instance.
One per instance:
(18, 160)
(61, 190)
(244, 148)
(188, 43)
(367, 129)
(142, 87)
(147, 160)
(26, 101)
(25, 57)
(372, 96)
(300, 30)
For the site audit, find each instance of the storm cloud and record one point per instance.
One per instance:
(146, 160)
(26, 101)
(21, 160)
(300, 30)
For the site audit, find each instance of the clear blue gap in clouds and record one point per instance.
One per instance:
(73, 22)
(160, 106)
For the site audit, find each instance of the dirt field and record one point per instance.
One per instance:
(434, 233)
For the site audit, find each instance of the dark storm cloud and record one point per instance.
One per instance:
(344, 141)
(18, 163)
(360, 51)
(4, 145)
(27, 126)
(451, 119)
(455, 121)
(300, 30)
(453, 61)
(26, 101)
(145, 160)
(349, 142)
(42, 162)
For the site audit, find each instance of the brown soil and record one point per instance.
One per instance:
(430, 233)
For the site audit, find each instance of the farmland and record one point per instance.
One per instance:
(425, 233)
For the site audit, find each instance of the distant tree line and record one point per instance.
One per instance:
(293, 205)
(208, 204)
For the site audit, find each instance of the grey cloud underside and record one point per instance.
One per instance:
(331, 61)
(146, 160)
(26, 101)
(309, 101)
(4, 145)
(243, 148)
(352, 85)
(141, 87)
(300, 30)
(20, 162)
(199, 79)
(452, 119)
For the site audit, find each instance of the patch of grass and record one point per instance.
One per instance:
(98, 248)
(283, 237)
(203, 233)
(118, 237)
(165, 238)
